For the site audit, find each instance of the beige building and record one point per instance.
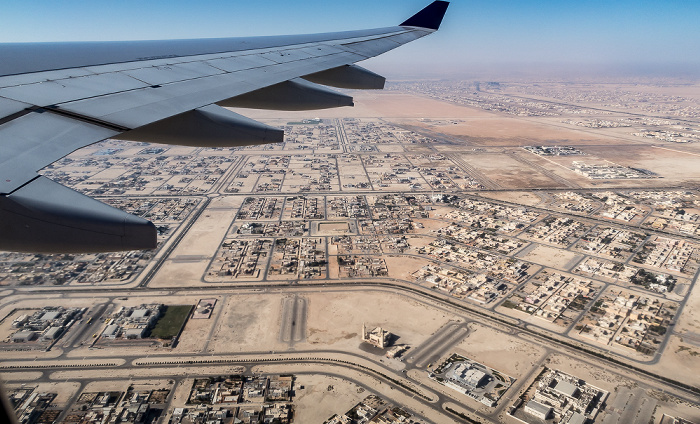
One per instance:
(377, 337)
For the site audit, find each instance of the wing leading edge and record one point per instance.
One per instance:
(56, 98)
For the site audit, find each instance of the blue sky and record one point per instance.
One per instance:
(475, 33)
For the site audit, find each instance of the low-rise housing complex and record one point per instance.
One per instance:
(238, 399)
(559, 398)
(554, 297)
(626, 319)
(375, 410)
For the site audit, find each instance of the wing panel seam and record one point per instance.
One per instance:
(87, 119)
(15, 115)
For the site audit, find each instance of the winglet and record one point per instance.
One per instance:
(430, 17)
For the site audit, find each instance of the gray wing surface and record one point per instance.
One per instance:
(56, 98)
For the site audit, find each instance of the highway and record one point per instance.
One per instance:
(293, 329)
(418, 357)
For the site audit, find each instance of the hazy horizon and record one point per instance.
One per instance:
(637, 38)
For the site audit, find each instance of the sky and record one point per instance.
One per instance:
(638, 36)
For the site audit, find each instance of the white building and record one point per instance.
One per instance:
(538, 410)
(111, 331)
(52, 333)
(467, 375)
(135, 333)
(566, 388)
(23, 336)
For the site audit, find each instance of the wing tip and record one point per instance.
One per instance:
(429, 17)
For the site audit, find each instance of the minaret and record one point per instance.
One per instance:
(364, 332)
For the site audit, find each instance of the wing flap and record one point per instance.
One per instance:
(59, 91)
(239, 63)
(371, 48)
(321, 50)
(289, 55)
(37, 139)
(165, 74)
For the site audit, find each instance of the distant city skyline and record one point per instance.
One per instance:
(648, 37)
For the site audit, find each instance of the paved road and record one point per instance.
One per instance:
(293, 328)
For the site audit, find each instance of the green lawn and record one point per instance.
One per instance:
(169, 325)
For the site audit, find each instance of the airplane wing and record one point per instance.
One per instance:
(56, 98)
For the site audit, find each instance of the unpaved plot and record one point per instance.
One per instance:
(551, 257)
(335, 319)
(681, 358)
(250, 324)
(499, 351)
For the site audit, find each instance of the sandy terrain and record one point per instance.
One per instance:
(64, 390)
(479, 128)
(551, 257)
(196, 330)
(675, 163)
(390, 148)
(23, 376)
(182, 393)
(322, 396)
(189, 261)
(499, 351)
(474, 126)
(335, 319)
(332, 228)
(495, 130)
(385, 104)
(595, 376)
(417, 241)
(401, 267)
(439, 211)
(248, 323)
(530, 199)
(145, 372)
(681, 358)
(508, 172)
